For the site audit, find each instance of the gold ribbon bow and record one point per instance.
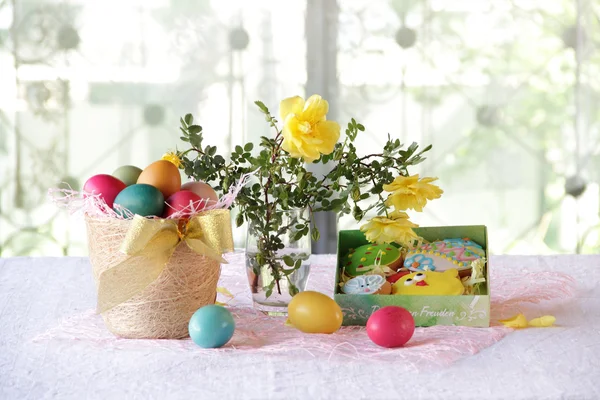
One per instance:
(150, 243)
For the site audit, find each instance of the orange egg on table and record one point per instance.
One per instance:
(163, 175)
(203, 190)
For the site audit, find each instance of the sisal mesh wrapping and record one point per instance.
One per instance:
(163, 309)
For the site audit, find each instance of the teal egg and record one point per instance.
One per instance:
(128, 174)
(142, 199)
(211, 326)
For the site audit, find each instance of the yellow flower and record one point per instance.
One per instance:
(173, 158)
(518, 321)
(410, 192)
(306, 132)
(394, 228)
(543, 322)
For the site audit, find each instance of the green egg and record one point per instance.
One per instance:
(128, 174)
(141, 199)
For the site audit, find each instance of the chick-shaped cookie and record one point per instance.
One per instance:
(429, 283)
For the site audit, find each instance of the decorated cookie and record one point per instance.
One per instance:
(366, 258)
(368, 284)
(429, 283)
(443, 255)
(399, 274)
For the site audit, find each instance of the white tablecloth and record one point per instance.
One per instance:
(36, 294)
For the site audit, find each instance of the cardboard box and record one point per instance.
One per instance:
(466, 310)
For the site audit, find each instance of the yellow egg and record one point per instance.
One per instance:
(314, 312)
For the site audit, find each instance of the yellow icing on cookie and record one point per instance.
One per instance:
(430, 283)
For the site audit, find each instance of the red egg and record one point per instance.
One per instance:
(390, 326)
(203, 190)
(107, 186)
(179, 201)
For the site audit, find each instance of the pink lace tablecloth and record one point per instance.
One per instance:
(53, 345)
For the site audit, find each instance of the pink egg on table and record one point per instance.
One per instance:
(107, 186)
(184, 200)
(203, 190)
(390, 326)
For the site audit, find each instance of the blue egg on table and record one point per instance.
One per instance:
(142, 199)
(211, 326)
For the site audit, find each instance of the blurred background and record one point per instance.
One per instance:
(507, 91)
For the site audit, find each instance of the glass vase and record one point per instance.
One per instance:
(275, 276)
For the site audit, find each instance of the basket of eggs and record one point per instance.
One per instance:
(155, 247)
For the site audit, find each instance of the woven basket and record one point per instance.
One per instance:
(163, 309)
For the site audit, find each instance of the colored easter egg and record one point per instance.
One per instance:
(211, 326)
(141, 199)
(163, 175)
(203, 190)
(390, 326)
(107, 186)
(128, 174)
(314, 312)
(184, 200)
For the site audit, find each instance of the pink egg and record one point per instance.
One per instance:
(203, 190)
(390, 326)
(182, 200)
(107, 186)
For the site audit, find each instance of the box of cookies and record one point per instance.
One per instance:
(442, 280)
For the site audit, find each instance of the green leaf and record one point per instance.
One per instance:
(293, 289)
(262, 106)
(219, 160)
(426, 149)
(289, 261)
(238, 149)
(193, 129)
(316, 235)
(355, 193)
(239, 220)
(189, 119)
(357, 213)
(248, 146)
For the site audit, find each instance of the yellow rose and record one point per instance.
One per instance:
(173, 158)
(410, 192)
(306, 132)
(394, 228)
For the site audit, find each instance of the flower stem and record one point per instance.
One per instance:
(269, 257)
